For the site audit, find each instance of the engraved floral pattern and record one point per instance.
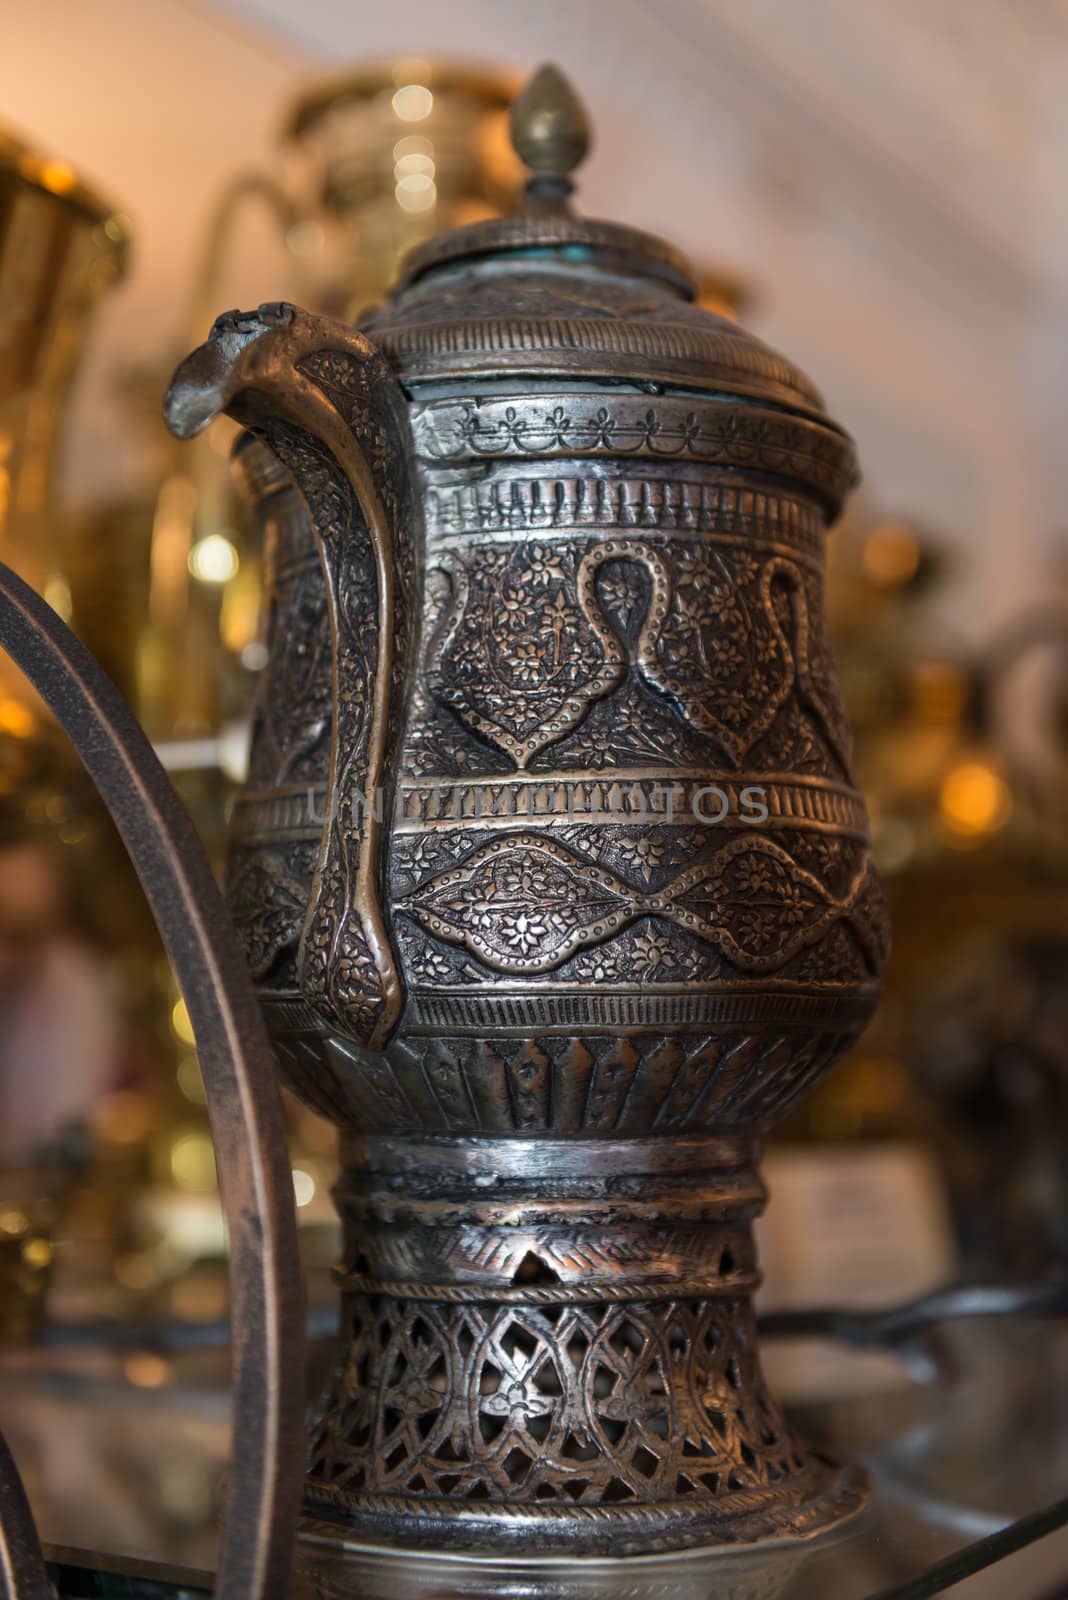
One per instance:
(649, 957)
(644, 854)
(267, 893)
(293, 703)
(523, 908)
(534, 641)
(723, 652)
(518, 660)
(336, 959)
(525, 903)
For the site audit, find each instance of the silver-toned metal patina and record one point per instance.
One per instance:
(550, 868)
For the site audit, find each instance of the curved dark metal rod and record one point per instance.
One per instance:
(898, 1324)
(242, 1095)
(22, 1568)
(979, 1556)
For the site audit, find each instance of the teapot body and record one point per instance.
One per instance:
(624, 844)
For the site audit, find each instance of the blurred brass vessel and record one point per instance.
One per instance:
(61, 247)
(402, 150)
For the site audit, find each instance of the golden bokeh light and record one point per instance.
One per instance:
(214, 559)
(193, 1163)
(57, 177)
(16, 719)
(416, 192)
(413, 102)
(37, 1253)
(57, 594)
(975, 800)
(181, 1024)
(891, 555)
(190, 1081)
(146, 1371)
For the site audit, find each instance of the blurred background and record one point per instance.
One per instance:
(879, 191)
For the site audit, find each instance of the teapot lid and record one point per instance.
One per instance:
(551, 135)
(546, 292)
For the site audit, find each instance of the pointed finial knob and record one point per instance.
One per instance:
(550, 131)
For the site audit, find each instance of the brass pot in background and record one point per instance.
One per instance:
(65, 1039)
(61, 247)
(399, 151)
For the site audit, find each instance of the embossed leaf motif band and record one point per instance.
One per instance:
(529, 645)
(525, 904)
(753, 438)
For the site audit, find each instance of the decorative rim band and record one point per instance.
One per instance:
(738, 1287)
(832, 1487)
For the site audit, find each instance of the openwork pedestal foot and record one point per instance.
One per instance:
(570, 1367)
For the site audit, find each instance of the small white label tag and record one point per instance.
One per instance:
(853, 1225)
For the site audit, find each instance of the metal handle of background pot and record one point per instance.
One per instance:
(267, 1348)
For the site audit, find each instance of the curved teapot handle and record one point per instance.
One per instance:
(325, 403)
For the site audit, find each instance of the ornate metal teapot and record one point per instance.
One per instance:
(550, 867)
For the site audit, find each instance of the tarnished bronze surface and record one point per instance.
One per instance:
(551, 872)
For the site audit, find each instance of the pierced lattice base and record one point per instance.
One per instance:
(622, 1427)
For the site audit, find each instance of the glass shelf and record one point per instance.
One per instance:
(965, 1435)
